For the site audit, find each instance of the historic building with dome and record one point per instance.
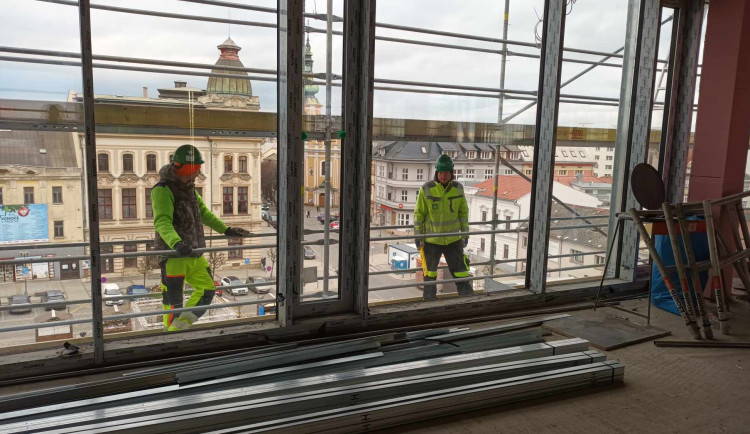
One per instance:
(129, 162)
(229, 93)
(315, 151)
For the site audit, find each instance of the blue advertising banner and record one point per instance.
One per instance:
(23, 223)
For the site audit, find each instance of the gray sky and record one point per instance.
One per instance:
(591, 24)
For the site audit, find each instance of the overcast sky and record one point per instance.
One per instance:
(591, 24)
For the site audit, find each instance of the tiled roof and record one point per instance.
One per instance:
(510, 187)
(37, 149)
(583, 236)
(568, 180)
(448, 146)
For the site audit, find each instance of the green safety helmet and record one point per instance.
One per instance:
(187, 154)
(187, 160)
(444, 164)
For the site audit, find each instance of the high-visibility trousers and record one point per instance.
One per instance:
(174, 273)
(458, 265)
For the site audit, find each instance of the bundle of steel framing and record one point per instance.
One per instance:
(339, 387)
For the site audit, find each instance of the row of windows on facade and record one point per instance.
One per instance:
(472, 155)
(578, 257)
(129, 203)
(152, 165)
(607, 157)
(108, 265)
(470, 173)
(28, 196)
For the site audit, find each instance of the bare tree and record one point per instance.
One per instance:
(272, 257)
(146, 264)
(216, 260)
(268, 175)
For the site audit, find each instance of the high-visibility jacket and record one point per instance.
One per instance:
(441, 210)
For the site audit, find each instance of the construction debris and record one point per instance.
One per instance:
(347, 386)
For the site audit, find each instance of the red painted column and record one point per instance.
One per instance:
(722, 131)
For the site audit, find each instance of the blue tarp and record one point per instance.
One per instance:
(660, 297)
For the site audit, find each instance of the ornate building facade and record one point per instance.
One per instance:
(128, 166)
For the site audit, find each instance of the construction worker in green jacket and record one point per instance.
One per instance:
(442, 208)
(179, 216)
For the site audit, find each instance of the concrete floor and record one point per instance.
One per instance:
(666, 390)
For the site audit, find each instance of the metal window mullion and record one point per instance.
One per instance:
(358, 69)
(634, 119)
(687, 58)
(545, 141)
(672, 69)
(327, 146)
(291, 153)
(87, 75)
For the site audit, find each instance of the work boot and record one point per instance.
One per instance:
(179, 324)
(183, 322)
(464, 290)
(430, 290)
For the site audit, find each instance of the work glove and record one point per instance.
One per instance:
(236, 232)
(418, 243)
(183, 249)
(466, 242)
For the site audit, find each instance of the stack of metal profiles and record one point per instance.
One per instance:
(350, 386)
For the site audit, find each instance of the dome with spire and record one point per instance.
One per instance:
(229, 56)
(312, 105)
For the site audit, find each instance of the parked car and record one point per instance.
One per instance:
(219, 291)
(22, 301)
(137, 290)
(51, 297)
(334, 225)
(233, 280)
(274, 222)
(322, 217)
(265, 207)
(262, 289)
(110, 290)
(309, 252)
(265, 215)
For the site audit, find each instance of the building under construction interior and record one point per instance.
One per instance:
(601, 148)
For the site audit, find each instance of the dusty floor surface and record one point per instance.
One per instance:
(666, 390)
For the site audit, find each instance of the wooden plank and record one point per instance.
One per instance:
(603, 331)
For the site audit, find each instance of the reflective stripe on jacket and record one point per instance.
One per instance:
(440, 210)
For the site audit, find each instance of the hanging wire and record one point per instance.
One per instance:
(569, 4)
(537, 35)
(540, 19)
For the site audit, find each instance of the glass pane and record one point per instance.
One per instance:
(322, 169)
(150, 115)
(706, 11)
(662, 85)
(587, 127)
(41, 191)
(444, 101)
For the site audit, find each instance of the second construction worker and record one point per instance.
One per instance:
(179, 216)
(442, 208)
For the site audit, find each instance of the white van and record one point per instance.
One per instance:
(111, 290)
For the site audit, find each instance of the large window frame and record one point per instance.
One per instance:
(357, 87)
(129, 203)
